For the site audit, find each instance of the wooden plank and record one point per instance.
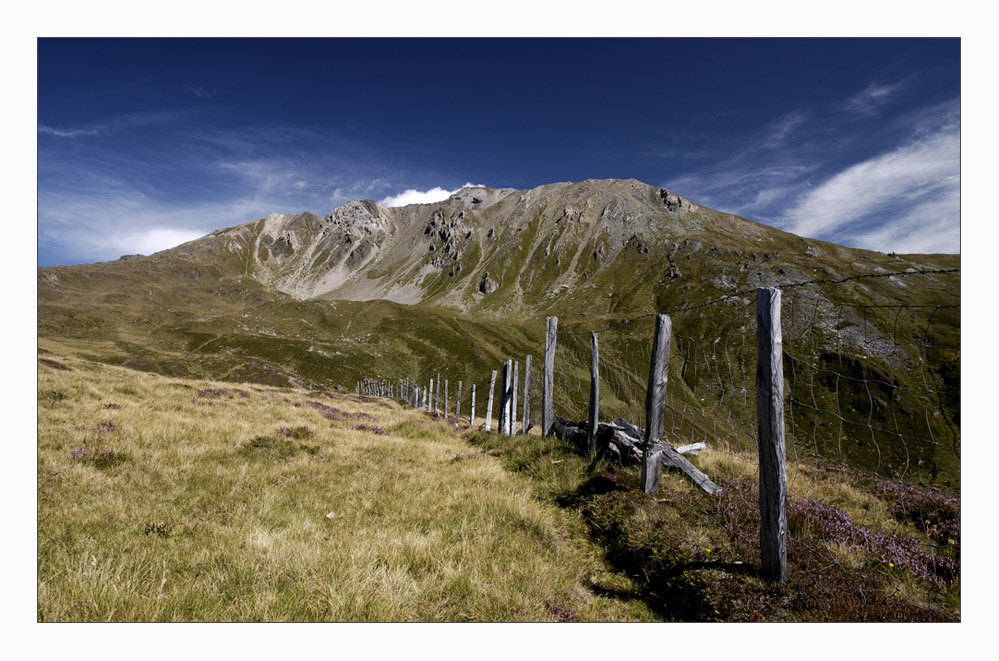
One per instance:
(489, 405)
(655, 405)
(594, 415)
(693, 447)
(525, 426)
(770, 434)
(547, 386)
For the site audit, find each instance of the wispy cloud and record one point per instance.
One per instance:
(814, 172)
(201, 92)
(72, 133)
(868, 100)
(919, 175)
(412, 196)
(110, 125)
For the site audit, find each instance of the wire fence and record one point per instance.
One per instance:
(871, 414)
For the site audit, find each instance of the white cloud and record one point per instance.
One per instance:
(868, 99)
(72, 133)
(154, 240)
(928, 228)
(412, 196)
(923, 172)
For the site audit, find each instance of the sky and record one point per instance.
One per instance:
(146, 143)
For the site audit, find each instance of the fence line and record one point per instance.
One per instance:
(867, 398)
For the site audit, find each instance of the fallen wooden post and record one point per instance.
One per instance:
(623, 447)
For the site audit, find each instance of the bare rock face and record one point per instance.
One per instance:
(488, 285)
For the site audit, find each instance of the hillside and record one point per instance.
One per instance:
(167, 499)
(456, 287)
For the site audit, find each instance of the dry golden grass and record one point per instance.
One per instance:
(203, 511)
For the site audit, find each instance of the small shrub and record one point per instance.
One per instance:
(333, 413)
(372, 429)
(162, 531)
(102, 458)
(470, 455)
(559, 612)
(295, 432)
(268, 447)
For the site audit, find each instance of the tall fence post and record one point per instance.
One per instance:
(770, 434)
(504, 416)
(655, 405)
(471, 415)
(591, 426)
(489, 405)
(457, 408)
(445, 400)
(437, 396)
(526, 424)
(513, 398)
(430, 399)
(547, 407)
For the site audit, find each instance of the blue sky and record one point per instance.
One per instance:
(146, 143)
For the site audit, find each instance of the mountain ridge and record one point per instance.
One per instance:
(459, 286)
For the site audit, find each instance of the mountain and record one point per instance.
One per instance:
(458, 286)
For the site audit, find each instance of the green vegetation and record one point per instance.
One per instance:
(245, 503)
(181, 500)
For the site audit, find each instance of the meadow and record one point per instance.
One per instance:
(174, 499)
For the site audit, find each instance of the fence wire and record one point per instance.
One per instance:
(872, 417)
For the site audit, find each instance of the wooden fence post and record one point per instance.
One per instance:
(471, 415)
(770, 434)
(591, 427)
(504, 416)
(655, 405)
(430, 401)
(513, 398)
(547, 407)
(457, 408)
(445, 400)
(437, 397)
(489, 405)
(527, 395)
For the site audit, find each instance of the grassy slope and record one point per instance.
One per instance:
(206, 510)
(194, 506)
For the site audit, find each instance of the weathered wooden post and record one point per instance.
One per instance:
(513, 398)
(437, 397)
(445, 400)
(770, 434)
(457, 408)
(471, 415)
(547, 407)
(489, 405)
(504, 416)
(591, 427)
(430, 400)
(527, 395)
(655, 405)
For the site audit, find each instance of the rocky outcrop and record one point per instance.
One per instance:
(488, 285)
